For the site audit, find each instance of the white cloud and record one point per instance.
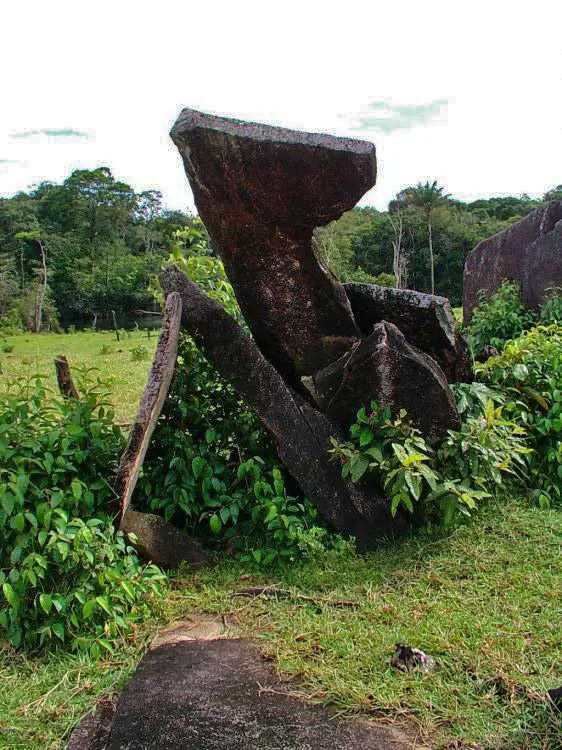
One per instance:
(123, 70)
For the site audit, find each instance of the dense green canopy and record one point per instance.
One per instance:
(104, 244)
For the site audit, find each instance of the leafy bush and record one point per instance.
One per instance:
(385, 279)
(551, 309)
(442, 483)
(212, 467)
(500, 318)
(139, 353)
(529, 371)
(66, 575)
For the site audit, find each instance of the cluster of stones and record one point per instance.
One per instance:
(320, 350)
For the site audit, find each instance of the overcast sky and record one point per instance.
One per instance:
(469, 94)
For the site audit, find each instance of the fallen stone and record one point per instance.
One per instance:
(261, 191)
(383, 367)
(194, 628)
(529, 252)
(426, 321)
(220, 694)
(159, 542)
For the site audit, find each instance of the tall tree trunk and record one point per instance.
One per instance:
(398, 259)
(41, 288)
(431, 260)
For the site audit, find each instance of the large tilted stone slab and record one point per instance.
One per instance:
(301, 433)
(426, 321)
(261, 191)
(384, 367)
(529, 253)
(220, 695)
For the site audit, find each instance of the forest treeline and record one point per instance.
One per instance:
(71, 253)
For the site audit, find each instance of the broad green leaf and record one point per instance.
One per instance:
(46, 602)
(215, 523)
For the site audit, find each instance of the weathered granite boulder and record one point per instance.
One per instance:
(384, 367)
(529, 252)
(426, 321)
(261, 191)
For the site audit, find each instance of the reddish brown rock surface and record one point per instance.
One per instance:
(261, 191)
(529, 253)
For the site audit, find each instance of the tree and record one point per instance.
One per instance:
(399, 257)
(553, 195)
(35, 236)
(426, 196)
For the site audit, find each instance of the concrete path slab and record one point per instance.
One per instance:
(211, 694)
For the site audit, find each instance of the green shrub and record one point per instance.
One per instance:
(551, 309)
(139, 353)
(468, 466)
(500, 318)
(529, 371)
(385, 279)
(66, 575)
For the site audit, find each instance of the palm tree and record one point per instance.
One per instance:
(426, 196)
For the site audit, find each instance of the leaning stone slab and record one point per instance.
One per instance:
(261, 191)
(529, 252)
(155, 393)
(426, 321)
(301, 433)
(219, 694)
(385, 368)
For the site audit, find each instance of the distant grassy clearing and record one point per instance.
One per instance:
(34, 353)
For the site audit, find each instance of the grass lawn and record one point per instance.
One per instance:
(485, 601)
(28, 354)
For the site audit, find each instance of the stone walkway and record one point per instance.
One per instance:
(194, 690)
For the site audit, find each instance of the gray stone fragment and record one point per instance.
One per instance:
(158, 541)
(384, 367)
(426, 321)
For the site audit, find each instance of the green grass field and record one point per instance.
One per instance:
(484, 600)
(29, 354)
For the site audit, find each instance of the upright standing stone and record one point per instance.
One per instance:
(529, 252)
(261, 191)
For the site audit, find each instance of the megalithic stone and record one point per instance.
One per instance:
(426, 321)
(384, 367)
(261, 191)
